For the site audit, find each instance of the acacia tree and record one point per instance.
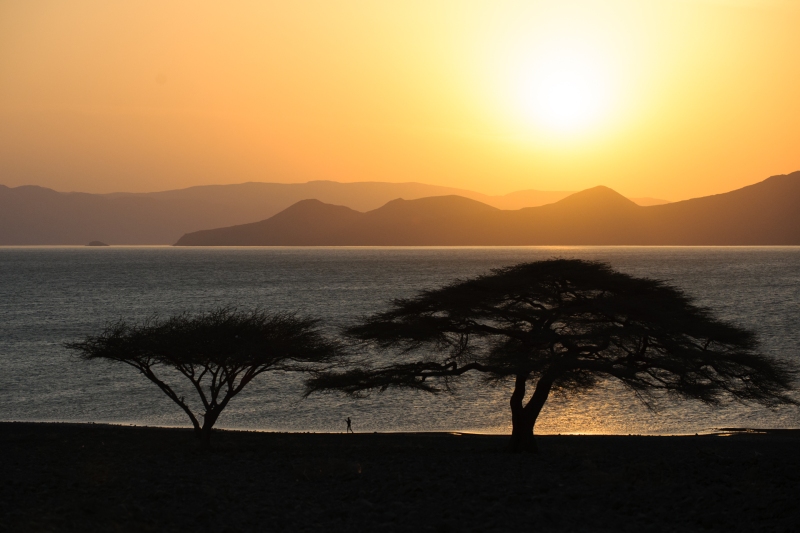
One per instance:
(561, 325)
(218, 352)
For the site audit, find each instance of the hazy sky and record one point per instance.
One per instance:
(662, 98)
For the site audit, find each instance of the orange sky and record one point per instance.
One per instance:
(663, 98)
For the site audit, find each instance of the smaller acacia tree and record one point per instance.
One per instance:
(219, 352)
(561, 325)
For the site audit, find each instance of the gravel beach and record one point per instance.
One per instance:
(92, 477)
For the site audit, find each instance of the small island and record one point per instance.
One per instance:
(97, 243)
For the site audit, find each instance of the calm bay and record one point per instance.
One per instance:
(50, 295)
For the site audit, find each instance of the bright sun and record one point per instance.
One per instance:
(565, 91)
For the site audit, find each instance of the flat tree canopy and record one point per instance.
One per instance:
(562, 325)
(219, 352)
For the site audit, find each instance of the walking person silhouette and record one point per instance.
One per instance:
(349, 426)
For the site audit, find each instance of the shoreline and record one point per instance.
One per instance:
(102, 477)
(719, 432)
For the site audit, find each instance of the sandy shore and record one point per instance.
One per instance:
(70, 477)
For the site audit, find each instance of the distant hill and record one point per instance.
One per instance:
(36, 215)
(306, 223)
(762, 214)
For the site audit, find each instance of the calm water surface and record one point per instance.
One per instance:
(52, 295)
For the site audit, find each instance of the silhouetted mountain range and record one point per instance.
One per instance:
(762, 214)
(36, 215)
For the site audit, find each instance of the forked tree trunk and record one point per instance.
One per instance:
(523, 417)
(210, 418)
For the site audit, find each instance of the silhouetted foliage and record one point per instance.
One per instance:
(563, 325)
(219, 352)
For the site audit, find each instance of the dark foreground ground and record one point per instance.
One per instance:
(63, 477)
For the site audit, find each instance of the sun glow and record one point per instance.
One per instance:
(564, 91)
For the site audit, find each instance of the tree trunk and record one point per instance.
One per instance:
(522, 440)
(208, 424)
(523, 418)
(211, 416)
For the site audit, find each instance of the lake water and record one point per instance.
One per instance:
(52, 295)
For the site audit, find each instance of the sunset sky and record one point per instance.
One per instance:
(663, 98)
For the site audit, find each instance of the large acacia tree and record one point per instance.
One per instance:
(218, 352)
(561, 325)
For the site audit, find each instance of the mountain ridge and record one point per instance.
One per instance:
(34, 215)
(764, 213)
